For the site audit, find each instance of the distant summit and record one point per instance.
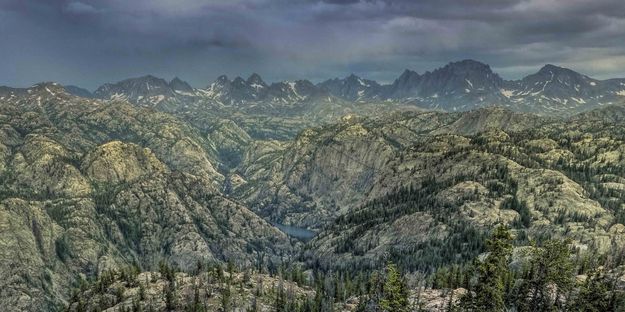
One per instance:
(135, 89)
(78, 91)
(180, 86)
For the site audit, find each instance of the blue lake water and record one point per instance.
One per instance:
(297, 232)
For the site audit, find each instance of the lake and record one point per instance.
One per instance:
(297, 232)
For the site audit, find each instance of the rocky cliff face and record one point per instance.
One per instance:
(332, 169)
(353, 88)
(88, 186)
(462, 85)
(400, 183)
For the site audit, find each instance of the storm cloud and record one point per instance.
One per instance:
(89, 42)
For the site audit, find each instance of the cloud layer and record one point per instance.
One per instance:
(88, 42)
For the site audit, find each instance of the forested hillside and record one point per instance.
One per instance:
(110, 205)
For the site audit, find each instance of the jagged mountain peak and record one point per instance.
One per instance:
(146, 89)
(222, 79)
(352, 87)
(78, 91)
(46, 89)
(47, 84)
(466, 68)
(142, 79)
(238, 81)
(221, 82)
(149, 76)
(298, 82)
(290, 91)
(352, 77)
(408, 73)
(559, 83)
(255, 79)
(176, 80)
(180, 85)
(153, 80)
(550, 69)
(303, 83)
(255, 89)
(470, 64)
(404, 83)
(458, 85)
(357, 80)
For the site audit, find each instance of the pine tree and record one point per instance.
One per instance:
(489, 292)
(195, 305)
(170, 297)
(395, 294)
(550, 276)
(226, 295)
(280, 297)
(594, 294)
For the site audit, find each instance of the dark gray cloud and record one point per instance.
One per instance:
(88, 42)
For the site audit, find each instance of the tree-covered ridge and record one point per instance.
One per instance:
(329, 170)
(561, 179)
(553, 277)
(550, 276)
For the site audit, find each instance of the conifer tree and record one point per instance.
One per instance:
(551, 267)
(489, 292)
(594, 294)
(395, 294)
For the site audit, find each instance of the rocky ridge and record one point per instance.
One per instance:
(89, 185)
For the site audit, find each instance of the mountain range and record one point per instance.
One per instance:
(149, 173)
(458, 86)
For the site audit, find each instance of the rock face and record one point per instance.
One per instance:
(352, 88)
(469, 82)
(116, 162)
(414, 185)
(136, 89)
(180, 86)
(240, 91)
(88, 186)
(493, 118)
(230, 141)
(328, 171)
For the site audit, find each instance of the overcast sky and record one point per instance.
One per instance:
(90, 42)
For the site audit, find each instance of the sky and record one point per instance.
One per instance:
(90, 42)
